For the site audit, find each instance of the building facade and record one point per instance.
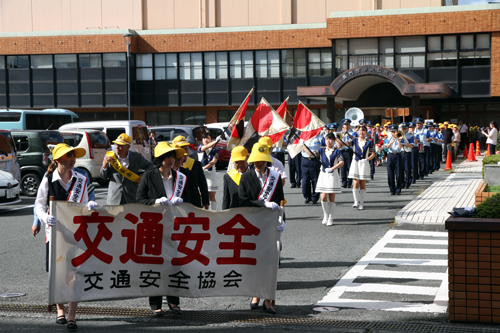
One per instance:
(195, 61)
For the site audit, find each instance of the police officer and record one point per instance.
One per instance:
(295, 170)
(414, 153)
(310, 170)
(372, 135)
(423, 136)
(439, 140)
(347, 133)
(406, 155)
(434, 146)
(394, 161)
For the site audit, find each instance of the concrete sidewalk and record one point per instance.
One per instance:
(457, 190)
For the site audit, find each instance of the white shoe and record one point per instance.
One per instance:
(355, 194)
(329, 223)
(360, 207)
(330, 215)
(361, 199)
(326, 208)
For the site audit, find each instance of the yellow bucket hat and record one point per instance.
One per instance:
(63, 148)
(123, 139)
(377, 124)
(165, 147)
(265, 140)
(260, 152)
(180, 141)
(239, 153)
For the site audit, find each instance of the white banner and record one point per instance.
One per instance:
(137, 250)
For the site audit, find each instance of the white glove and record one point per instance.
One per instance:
(301, 141)
(91, 205)
(363, 160)
(273, 205)
(217, 139)
(51, 220)
(176, 201)
(281, 227)
(162, 201)
(329, 170)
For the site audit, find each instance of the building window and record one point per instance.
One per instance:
(176, 118)
(341, 53)
(320, 62)
(410, 52)
(65, 61)
(293, 63)
(475, 50)
(41, 61)
(241, 65)
(90, 60)
(144, 67)
(386, 49)
(267, 63)
(190, 66)
(442, 51)
(17, 62)
(224, 116)
(215, 65)
(363, 51)
(114, 59)
(166, 66)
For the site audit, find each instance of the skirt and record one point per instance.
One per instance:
(328, 182)
(359, 170)
(211, 177)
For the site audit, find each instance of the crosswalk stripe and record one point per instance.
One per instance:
(375, 305)
(419, 262)
(418, 241)
(391, 288)
(402, 275)
(413, 251)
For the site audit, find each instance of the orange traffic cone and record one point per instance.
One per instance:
(465, 152)
(472, 157)
(478, 149)
(448, 162)
(487, 151)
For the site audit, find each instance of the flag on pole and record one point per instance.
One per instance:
(264, 122)
(237, 123)
(306, 125)
(278, 137)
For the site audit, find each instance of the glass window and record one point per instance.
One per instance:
(65, 61)
(341, 47)
(441, 59)
(483, 41)
(14, 62)
(466, 42)
(362, 60)
(410, 60)
(434, 43)
(144, 74)
(387, 60)
(41, 61)
(224, 115)
(247, 63)
(2, 62)
(363, 46)
(144, 60)
(450, 42)
(90, 60)
(293, 63)
(215, 65)
(21, 141)
(320, 62)
(410, 44)
(160, 60)
(144, 70)
(387, 45)
(114, 59)
(165, 66)
(190, 66)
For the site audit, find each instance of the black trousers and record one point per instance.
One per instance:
(295, 168)
(344, 170)
(155, 301)
(395, 172)
(406, 159)
(428, 166)
(414, 164)
(310, 174)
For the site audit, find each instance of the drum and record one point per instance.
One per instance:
(421, 147)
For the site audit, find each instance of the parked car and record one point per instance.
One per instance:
(136, 129)
(33, 156)
(9, 189)
(96, 144)
(192, 133)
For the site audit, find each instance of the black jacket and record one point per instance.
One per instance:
(250, 188)
(193, 186)
(151, 188)
(197, 170)
(230, 197)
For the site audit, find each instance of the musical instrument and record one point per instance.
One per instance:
(420, 147)
(406, 149)
(399, 135)
(354, 114)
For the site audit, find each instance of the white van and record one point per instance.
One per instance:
(136, 129)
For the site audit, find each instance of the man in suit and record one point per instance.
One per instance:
(122, 171)
(232, 179)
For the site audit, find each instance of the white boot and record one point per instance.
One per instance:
(361, 199)
(330, 216)
(355, 194)
(326, 209)
(213, 205)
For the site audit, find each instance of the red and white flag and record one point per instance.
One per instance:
(306, 125)
(237, 123)
(264, 122)
(278, 137)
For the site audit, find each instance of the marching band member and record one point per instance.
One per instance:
(63, 183)
(394, 161)
(423, 136)
(194, 166)
(328, 181)
(347, 136)
(447, 137)
(239, 156)
(372, 135)
(163, 185)
(261, 187)
(407, 155)
(414, 153)
(209, 157)
(434, 146)
(360, 167)
(310, 171)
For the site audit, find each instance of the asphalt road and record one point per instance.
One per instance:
(313, 259)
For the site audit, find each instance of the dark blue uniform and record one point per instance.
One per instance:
(423, 157)
(394, 166)
(310, 171)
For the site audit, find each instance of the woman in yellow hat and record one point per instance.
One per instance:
(165, 186)
(62, 182)
(261, 187)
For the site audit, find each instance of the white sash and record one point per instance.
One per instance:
(180, 184)
(267, 191)
(78, 189)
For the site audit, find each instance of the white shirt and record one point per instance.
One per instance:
(462, 128)
(492, 140)
(123, 161)
(168, 184)
(262, 178)
(456, 136)
(41, 208)
(279, 168)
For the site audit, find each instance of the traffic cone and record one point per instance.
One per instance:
(465, 152)
(472, 157)
(478, 149)
(487, 151)
(448, 162)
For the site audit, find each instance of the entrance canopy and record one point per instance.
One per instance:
(349, 85)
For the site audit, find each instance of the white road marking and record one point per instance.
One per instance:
(14, 209)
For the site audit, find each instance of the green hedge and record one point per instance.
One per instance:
(492, 159)
(490, 208)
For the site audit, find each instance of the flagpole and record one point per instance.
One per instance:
(235, 117)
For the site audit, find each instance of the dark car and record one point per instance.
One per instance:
(33, 156)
